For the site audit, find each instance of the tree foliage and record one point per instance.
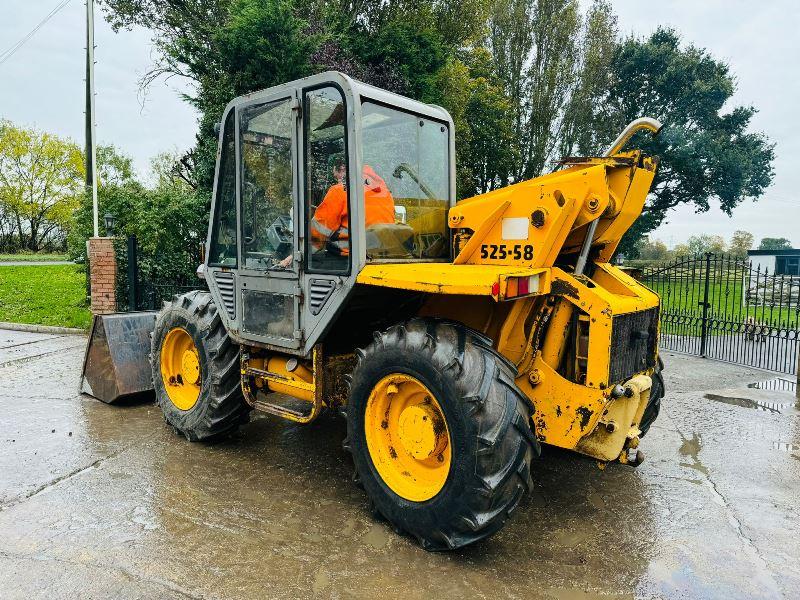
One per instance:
(41, 177)
(769, 243)
(700, 244)
(652, 250)
(741, 242)
(706, 150)
(167, 217)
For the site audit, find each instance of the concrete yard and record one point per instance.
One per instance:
(99, 501)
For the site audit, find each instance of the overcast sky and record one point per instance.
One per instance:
(42, 86)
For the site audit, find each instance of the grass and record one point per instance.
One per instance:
(33, 257)
(45, 295)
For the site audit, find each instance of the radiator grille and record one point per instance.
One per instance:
(634, 337)
(319, 290)
(225, 285)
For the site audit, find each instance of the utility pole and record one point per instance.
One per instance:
(91, 145)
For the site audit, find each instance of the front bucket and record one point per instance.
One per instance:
(117, 363)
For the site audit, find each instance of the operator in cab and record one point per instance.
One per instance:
(330, 227)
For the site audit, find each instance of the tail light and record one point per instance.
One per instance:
(522, 286)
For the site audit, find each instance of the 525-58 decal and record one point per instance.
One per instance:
(503, 251)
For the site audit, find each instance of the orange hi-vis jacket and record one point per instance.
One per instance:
(330, 224)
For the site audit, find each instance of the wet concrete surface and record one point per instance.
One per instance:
(99, 501)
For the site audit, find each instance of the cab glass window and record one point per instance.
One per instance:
(406, 175)
(265, 134)
(326, 193)
(222, 251)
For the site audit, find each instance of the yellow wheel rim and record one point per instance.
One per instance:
(407, 437)
(180, 368)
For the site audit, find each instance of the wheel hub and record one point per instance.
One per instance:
(407, 437)
(180, 368)
(190, 366)
(422, 432)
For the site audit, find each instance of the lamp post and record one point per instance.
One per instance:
(109, 219)
(91, 147)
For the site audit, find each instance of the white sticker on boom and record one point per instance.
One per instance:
(515, 228)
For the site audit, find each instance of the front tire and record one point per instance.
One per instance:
(654, 403)
(445, 375)
(195, 367)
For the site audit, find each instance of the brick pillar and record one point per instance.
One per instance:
(103, 275)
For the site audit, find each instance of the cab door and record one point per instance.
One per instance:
(329, 188)
(268, 287)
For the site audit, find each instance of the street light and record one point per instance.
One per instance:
(109, 219)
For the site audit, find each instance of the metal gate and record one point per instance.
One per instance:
(721, 307)
(145, 282)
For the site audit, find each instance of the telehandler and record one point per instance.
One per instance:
(456, 337)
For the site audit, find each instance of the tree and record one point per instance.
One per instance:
(113, 167)
(705, 153)
(486, 152)
(775, 244)
(584, 122)
(681, 250)
(652, 250)
(41, 180)
(700, 244)
(167, 170)
(535, 47)
(741, 242)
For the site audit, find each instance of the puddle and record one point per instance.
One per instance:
(377, 536)
(691, 448)
(779, 384)
(771, 407)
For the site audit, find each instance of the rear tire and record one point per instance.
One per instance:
(656, 395)
(491, 442)
(220, 406)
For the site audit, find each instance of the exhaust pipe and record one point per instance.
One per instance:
(648, 123)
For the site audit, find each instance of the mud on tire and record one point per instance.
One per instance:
(221, 407)
(489, 423)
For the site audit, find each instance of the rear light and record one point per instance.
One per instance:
(522, 286)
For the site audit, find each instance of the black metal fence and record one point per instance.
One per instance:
(726, 308)
(145, 282)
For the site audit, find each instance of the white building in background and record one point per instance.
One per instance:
(776, 262)
(773, 278)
